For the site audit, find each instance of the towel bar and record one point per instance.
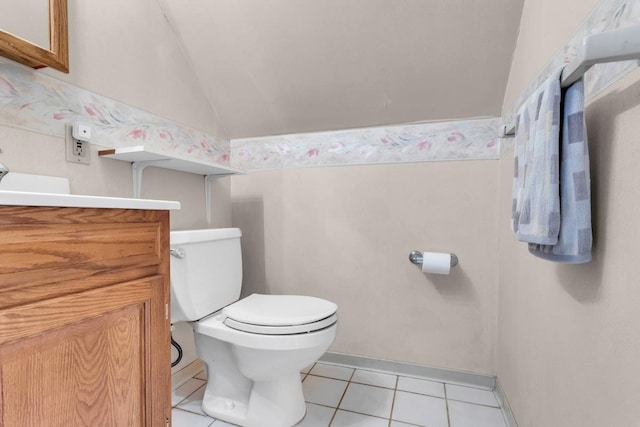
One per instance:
(609, 46)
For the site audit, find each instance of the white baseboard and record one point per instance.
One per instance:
(509, 418)
(403, 368)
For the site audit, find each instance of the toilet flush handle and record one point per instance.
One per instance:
(178, 252)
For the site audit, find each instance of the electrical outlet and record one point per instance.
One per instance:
(76, 151)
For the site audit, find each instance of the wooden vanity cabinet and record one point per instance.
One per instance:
(84, 317)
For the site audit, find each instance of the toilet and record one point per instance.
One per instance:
(253, 348)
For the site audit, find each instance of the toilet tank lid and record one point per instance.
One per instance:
(203, 235)
(279, 310)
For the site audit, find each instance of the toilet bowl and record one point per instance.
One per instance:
(254, 377)
(253, 348)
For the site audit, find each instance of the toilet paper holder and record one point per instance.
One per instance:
(416, 258)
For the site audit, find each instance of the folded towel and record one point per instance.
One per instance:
(574, 240)
(536, 198)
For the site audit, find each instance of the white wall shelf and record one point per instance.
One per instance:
(141, 157)
(141, 153)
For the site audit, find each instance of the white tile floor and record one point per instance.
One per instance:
(339, 396)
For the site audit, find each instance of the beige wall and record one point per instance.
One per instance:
(345, 234)
(126, 50)
(568, 346)
(285, 66)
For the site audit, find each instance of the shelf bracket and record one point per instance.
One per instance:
(137, 168)
(208, 181)
(141, 157)
(208, 185)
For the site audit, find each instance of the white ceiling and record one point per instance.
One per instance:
(273, 67)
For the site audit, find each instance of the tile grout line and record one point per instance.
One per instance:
(331, 378)
(475, 403)
(195, 413)
(393, 401)
(446, 403)
(188, 396)
(424, 394)
(356, 382)
(362, 413)
(341, 397)
(213, 420)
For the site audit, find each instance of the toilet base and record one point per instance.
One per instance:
(277, 403)
(233, 397)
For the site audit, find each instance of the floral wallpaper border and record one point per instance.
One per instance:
(606, 16)
(35, 101)
(455, 140)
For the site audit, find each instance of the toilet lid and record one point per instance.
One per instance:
(280, 314)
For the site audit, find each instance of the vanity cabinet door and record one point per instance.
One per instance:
(79, 360)
(84, 317)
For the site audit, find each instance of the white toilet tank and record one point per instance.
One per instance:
(206, 271)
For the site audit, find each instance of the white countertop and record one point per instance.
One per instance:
(19, 198)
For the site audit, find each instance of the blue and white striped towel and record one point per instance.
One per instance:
(536, 193)
(552, 200)
(575, 238)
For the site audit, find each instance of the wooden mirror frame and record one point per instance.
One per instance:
(27, 53)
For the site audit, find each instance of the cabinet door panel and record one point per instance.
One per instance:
(81, 368)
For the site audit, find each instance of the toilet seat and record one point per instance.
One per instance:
(214, 327)
(279, 314)
(281, 330)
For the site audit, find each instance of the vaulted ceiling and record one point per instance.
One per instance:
(273, 67)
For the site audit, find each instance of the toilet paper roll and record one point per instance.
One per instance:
(436, 262)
